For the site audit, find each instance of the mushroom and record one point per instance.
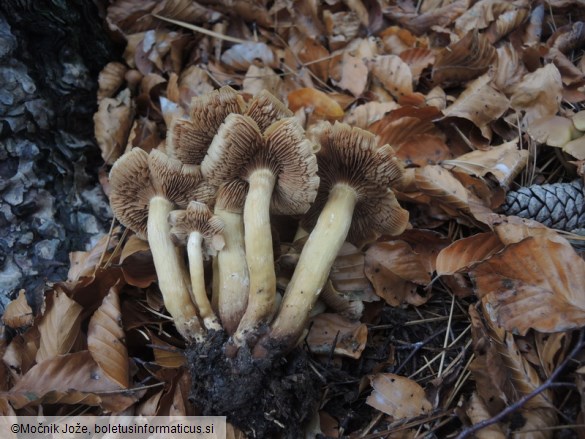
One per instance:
(280, 170)
(198, 229)
(188, 139)
(144, 190)
(354, 202)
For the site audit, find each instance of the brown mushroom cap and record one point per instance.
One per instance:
(137, 176)
(266, 109)
(188, 139)
(351, 156)
(239, 149)
(197, 218)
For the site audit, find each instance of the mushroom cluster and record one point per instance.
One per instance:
(227, 169)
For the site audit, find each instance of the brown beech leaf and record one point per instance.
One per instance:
(399, 125)
(241, 56)
(69, 379)
(21, 352)
(536, 283)
(539, 93)
(83, 264)
(354, 74)
(194, 81)
(466, 252)
(395, 272)
(110, 79)
(366, 114)
(59, 326)
(417, 59)
(443, 187)
(398, 396)
(313, 55)
(261, 78)
(423, 149)
(466, 59)
(332, 332)
(347, 272)
(316, 102)
(393, 73)
(478, 411)
(553, 130)
(165, 354)
(18, 313)
(480, 103)
(510, 67)
(112, 124)
(504, 162)
(136, 263)
(106, 340)
(514, 14)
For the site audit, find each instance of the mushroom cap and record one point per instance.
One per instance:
(137, 177)
(351, 156)
(266, 109)
(197, 218)
(188, 139)
(239, 149)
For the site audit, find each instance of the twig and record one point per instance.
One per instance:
(518, 404)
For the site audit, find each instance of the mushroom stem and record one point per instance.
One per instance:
(233, 278)
(312, 270)
(195, 254)
(171, 271)
(259, 254)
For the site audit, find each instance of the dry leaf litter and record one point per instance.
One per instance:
(452, 305)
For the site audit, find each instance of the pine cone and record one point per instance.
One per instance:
(559, 206)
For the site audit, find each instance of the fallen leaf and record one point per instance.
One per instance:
(466, 59)
(480, 103)
(354, 74)
(535, 283)
(331, 333)
(110, 79)
(261, 78)
(70, 379)
(59, 327)
(18, 313)
(316, 102)
(106, 340)
(478, 412)
(538, 94)
(112, 122)
(398, 396)
(464, 253)
(394, 74)
(136, 263)
(241, 56)
(21, 352)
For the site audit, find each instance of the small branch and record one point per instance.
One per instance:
(518, 404)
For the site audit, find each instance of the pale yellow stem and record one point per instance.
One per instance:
(171, 271)
(233, 278)
(195, 254)
(312, 270)
(259, 255)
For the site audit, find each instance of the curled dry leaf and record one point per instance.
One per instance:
(136, 263)
(194, 81)
(165, 354)
(480, 103)
(262, 78)
(341, 27)
(477, 411)
(394, 74)
(111, 79)
(70, 379)
(398, 396)
(509, 68)
(536, 283)
(467, 252)
(315, 102)
(59, 326)
(347, 272)
(333, 333)
(504, 162)
(366, 114)
(396, 272)
(106, 340)
(18, 313)
(354, 74)
(417, 59)
(21, 352)
(513, 16)
(241, 56)
(468, 58)
(553, 130)
(538, 94)
(112, 125)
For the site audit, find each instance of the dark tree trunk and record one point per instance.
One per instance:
(50, 201)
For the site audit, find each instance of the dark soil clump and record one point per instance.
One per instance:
(262, 397)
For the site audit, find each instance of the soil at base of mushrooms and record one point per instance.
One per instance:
(262, 397)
